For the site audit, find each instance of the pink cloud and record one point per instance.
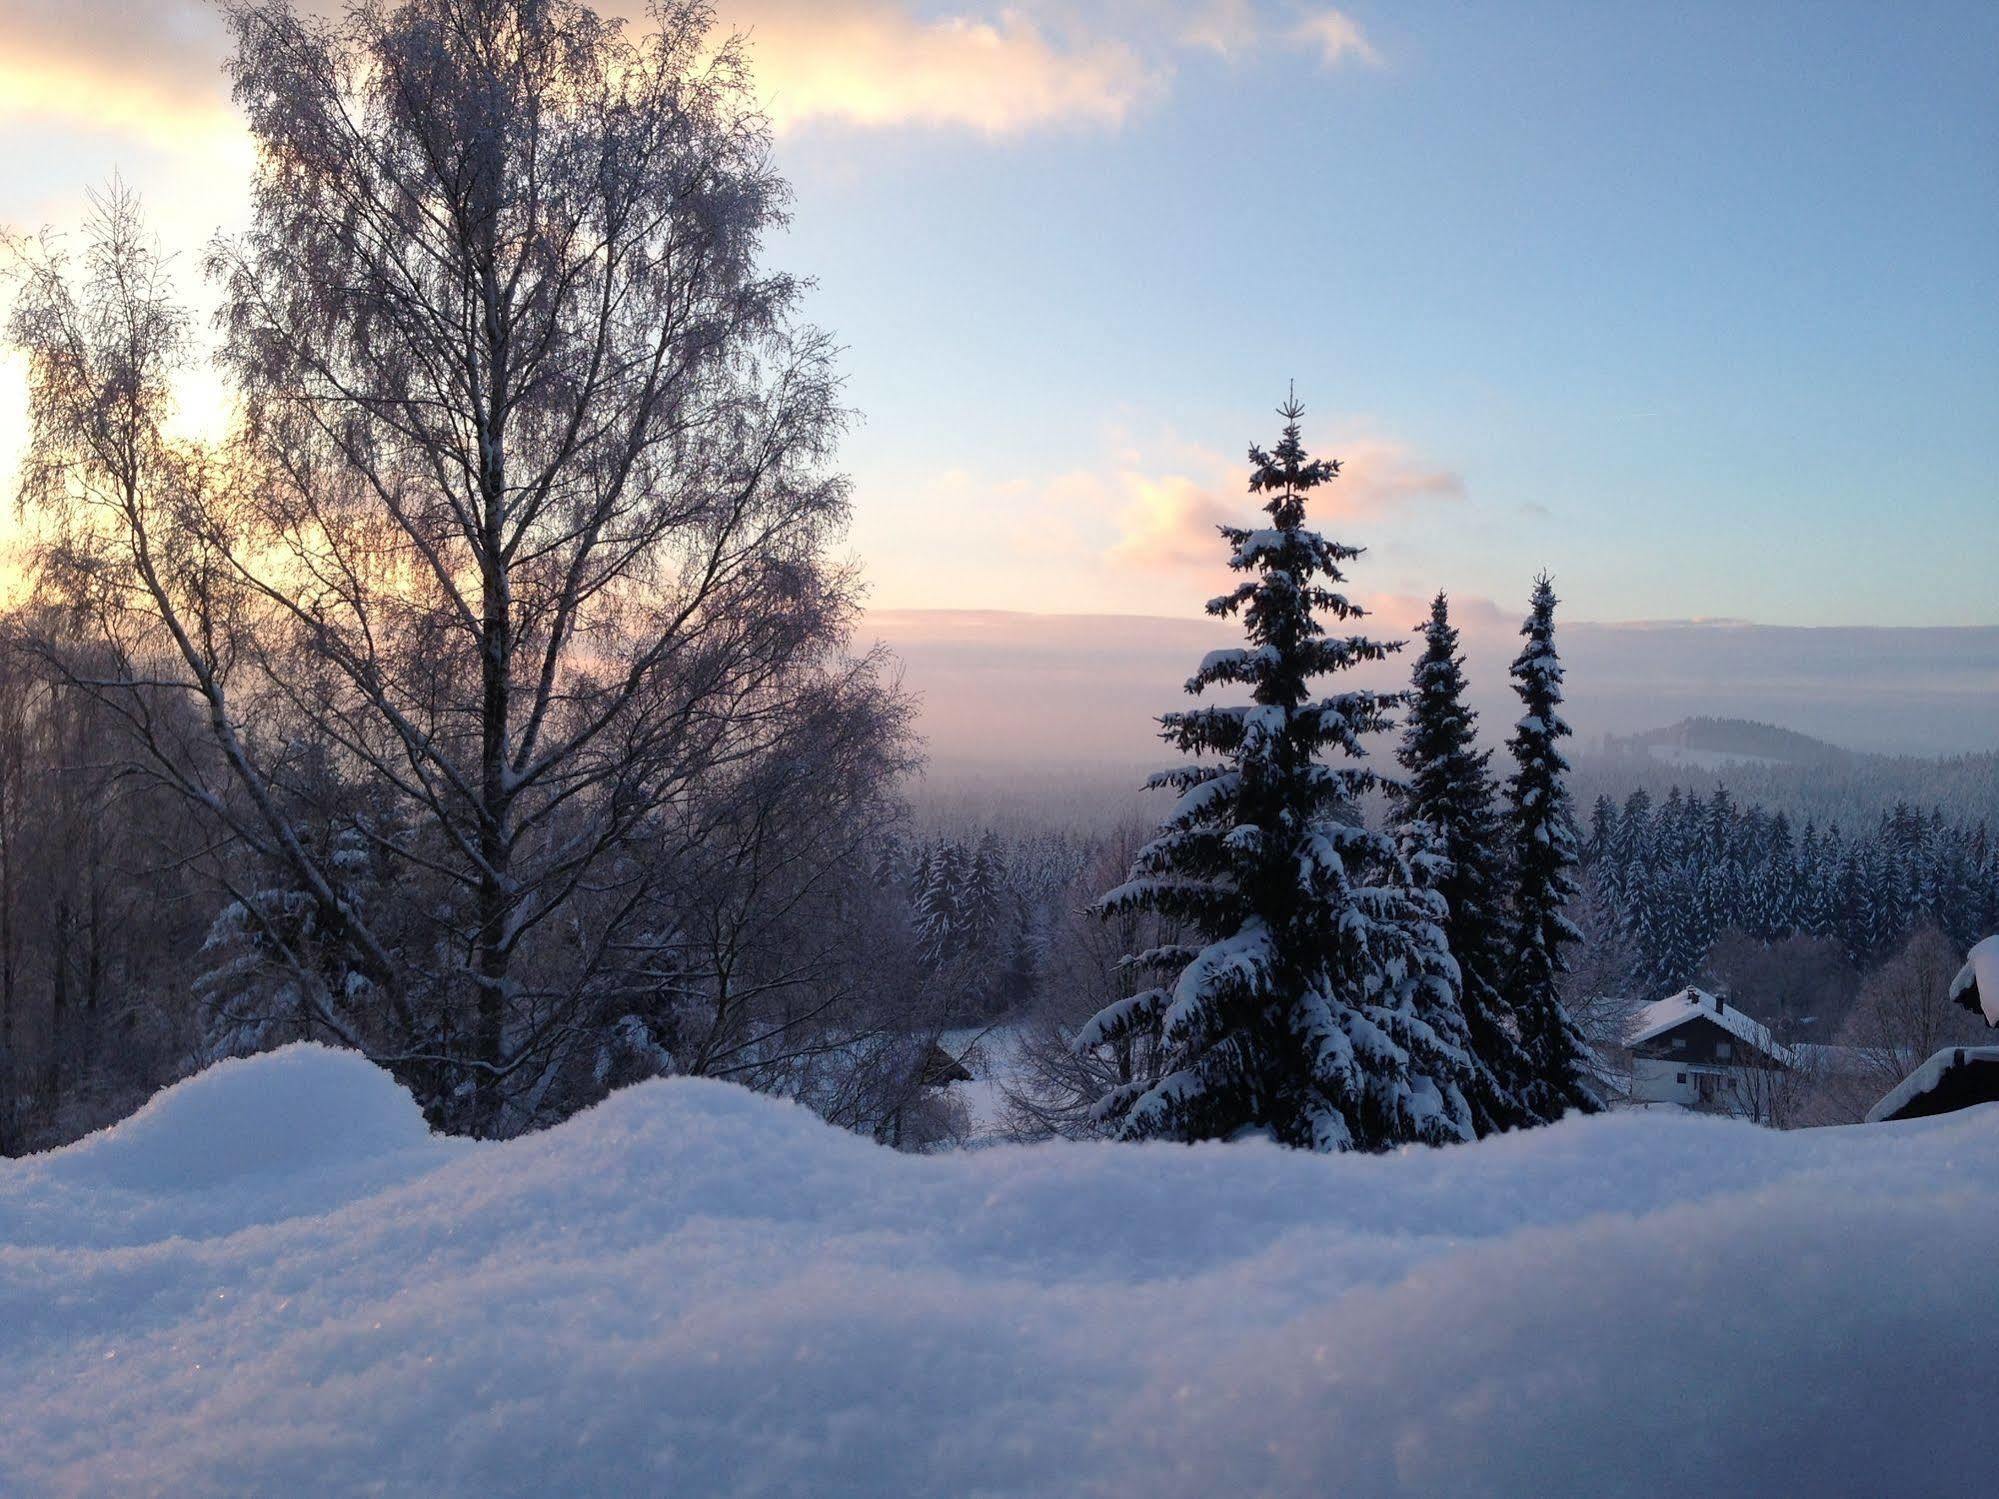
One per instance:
(1167, 520)
(153, 72)
(875, 63)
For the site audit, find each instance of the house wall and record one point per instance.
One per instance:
(1659, 1080)
(1701, 1042)
(1694, 1085)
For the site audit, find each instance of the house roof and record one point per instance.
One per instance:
(940, 1067)
(1977, 984)
(1669, 1014)
(1955, 1078)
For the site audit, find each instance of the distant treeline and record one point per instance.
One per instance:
(1853, 791)
(983, 906)
(1679, 872)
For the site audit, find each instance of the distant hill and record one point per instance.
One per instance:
(1786, 771)
(1717, 743)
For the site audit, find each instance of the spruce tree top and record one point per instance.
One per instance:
(1275, 741)
(1544, 858)
(1446, 800)
(1544, 827)
(1299, 1010)
(1440, 739)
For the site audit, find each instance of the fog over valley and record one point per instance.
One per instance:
(1004, 691)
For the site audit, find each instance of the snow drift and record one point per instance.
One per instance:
(272, 1280)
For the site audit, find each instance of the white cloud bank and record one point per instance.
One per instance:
(272, 1281)
(1010, 689)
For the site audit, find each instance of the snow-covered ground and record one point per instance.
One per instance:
(273, 1281)
(989, 1054)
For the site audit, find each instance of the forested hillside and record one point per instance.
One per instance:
(1850, 789)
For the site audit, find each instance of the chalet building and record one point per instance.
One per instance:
(1958, 1077)
(941, 1068)
(1697, 1050)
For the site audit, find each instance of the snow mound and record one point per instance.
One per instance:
(698, 1291)
(294, 1132)
(291, 1110)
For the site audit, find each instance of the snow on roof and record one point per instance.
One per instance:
(1981, 969)
(1927, 1076)
(275, 1280)
(1663, 1015)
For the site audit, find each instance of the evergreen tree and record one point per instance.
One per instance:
(939, 906)
(1296, 1012)
(984, 900)
(1544, 856)
(1603, 830)
(1448, 790)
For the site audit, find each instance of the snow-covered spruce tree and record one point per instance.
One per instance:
(1448, 789)
(939, 905)
(1296, 1008)
(1544, 856)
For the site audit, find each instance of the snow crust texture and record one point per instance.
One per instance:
(274, 1281)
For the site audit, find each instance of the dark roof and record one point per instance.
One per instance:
(940, 1068)
(1977, 984)
(1955, 1078)
(1691, 1005)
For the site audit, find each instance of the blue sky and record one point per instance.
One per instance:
(1695, 305)
(1698, 303)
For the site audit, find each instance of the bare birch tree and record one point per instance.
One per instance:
(516, 575)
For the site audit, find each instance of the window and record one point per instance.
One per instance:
(1679, 1043)
(1721, 1049)
(1679, 1077)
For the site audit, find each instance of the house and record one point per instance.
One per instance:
(1958, 1076)
(1697, 1050)
(1976, 986)
(941, 1069)
(1955, 1078)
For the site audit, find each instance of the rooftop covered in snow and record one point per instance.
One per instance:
(1977, 984)
(1665, 1015)
(1958, 1077)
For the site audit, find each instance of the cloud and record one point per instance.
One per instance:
(1002, 70)
(1132, 531)
(873, 63)
(1225, 27)
(1337, 37)
(1379, 477)
(152, 72)
(1167, 520)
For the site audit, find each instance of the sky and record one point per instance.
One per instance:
(1695, 306)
